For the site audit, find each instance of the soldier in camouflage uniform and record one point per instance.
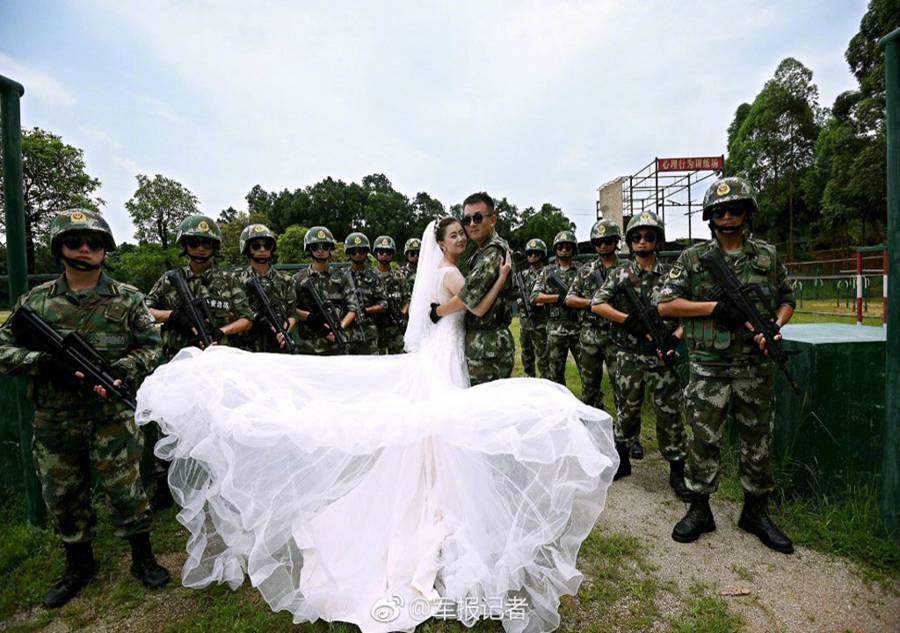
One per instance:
(411, 253)
(73, 431)
(490, 349)
(390, 328)
(728, 367)
(365, 284)
(639, 363)
(315, 337)
(593, 340)
(562, 322)
(257, 243)
(533, 331)
(223, 292)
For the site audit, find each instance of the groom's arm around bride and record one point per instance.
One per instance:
(490, 350)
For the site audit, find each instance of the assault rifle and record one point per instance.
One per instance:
(272, 314)
(361, 315)
(196, 310)
(557, 284)
(524, 295)
(741, 296)
(652, 323)
(326, 310)
(72, 351)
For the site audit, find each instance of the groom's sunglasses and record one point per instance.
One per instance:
(475, 218)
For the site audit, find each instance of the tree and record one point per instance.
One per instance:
(54, 179)
(143, 264)
(158, 207)
(774, 146)
(543, 224)
(229, 255)
(290, 245)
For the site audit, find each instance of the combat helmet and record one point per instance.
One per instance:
(255, 232)
(536, 244)
(607, 227)
(79, 220)
(199, 226)
(412, 244)
(728, 191)
(645, 219)
(565, 237)
(385, 242)
(318, 235)
(356, 240)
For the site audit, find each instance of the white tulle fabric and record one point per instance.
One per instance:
(362, 489)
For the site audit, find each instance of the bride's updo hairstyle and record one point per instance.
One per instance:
(440, 229)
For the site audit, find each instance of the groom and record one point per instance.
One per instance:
(489, 343)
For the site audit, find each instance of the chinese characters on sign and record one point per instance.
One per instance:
(714, 163)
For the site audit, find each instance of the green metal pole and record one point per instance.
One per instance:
(890, 484)
(11, 140)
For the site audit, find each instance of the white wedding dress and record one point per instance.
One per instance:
(382, 490)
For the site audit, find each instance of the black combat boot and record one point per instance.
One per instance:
(698, 520)
(143, 563)
(676, 480)
(624, 462)
(755, 519)
(637, 451)
(80, 568)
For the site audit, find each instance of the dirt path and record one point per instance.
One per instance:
(806, 591)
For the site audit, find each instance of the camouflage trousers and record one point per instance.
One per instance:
(634, 372)
(749, 394)
(490, 355)
(593, 357)
(390, 340)
(559, 344)
(533, 346)
(66, 446)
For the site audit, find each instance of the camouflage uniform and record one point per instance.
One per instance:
(363, 332)
(562, 322)
(282, 293)
(533, 332)
(727, 368)
(390, 334)
(593, 339)
(74, 431)
(637, 366)
(490, 350)
(224, 295)
(332, 285)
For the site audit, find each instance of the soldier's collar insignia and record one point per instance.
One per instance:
(723, 189)
(78, 217)
(203, 226)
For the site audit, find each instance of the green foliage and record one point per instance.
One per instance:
(54, 179)
(157, 208)
(143, 264)
(290, 245)
(544, 224)
(229, 253)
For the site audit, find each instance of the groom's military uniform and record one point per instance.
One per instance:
(490, 351)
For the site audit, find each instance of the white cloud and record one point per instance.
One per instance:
(38, 82)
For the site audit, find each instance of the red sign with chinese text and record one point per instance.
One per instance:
(713, 163)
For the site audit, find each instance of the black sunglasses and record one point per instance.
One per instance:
(321, 246)
(605, 241)
(564, 247)
(198, 242)
(649, 237)
(383, 251)
(357, 251)
(74, 242)
(736, 212)
(475, 218)
(261, 245)
(412, 254)
(530, 253)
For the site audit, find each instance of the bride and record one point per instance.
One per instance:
(383, 491)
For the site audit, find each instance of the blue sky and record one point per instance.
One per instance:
(535, 101)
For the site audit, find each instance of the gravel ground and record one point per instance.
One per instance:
(806, 591)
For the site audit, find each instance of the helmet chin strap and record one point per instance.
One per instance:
(644, 253)
(78, 264)
(197, 259)
(262, 260)
(725, 230)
